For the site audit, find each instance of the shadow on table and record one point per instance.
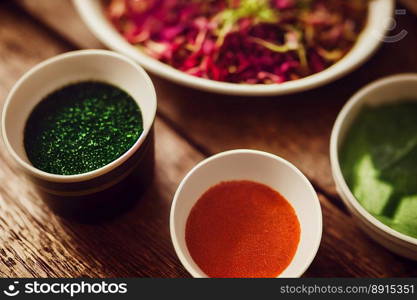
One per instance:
(135, 244)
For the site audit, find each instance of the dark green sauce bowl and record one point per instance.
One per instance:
(385, 95)
(112, 188)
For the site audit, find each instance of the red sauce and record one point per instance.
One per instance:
(242, 229)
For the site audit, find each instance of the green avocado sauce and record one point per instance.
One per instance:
(379, 162)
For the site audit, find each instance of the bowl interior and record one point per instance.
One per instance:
(401, 88)
(260, 167)
(389, 90)
(379, 19)
(70, 68)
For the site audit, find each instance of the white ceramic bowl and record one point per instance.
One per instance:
(387, 90)
(381, 12)
(91, 187)
(260, 167)
(62, 70)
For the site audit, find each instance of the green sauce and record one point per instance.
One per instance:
(379, 162)
(81, 127)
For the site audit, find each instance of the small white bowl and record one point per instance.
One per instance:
(68, 68)
(387, 90)
(257, 166)
(379, 20)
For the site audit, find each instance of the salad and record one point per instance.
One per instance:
(242, 41)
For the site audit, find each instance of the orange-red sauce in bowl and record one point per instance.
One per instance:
(242, 229)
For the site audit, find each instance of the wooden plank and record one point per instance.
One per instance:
(60, 15)
(38, 243)
(411, 5)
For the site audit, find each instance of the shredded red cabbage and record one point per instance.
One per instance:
(242, 41)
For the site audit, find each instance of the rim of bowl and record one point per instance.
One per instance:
(115, 41)
(334, 153)
(315, 244)
(92, 174)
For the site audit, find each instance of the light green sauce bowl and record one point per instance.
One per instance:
(367, 195)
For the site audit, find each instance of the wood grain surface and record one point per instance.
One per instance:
(190, 126)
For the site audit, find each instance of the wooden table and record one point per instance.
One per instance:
(190, 126)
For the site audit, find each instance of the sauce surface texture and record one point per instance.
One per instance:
(81, 127)
(379, 162)
(242, 229)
